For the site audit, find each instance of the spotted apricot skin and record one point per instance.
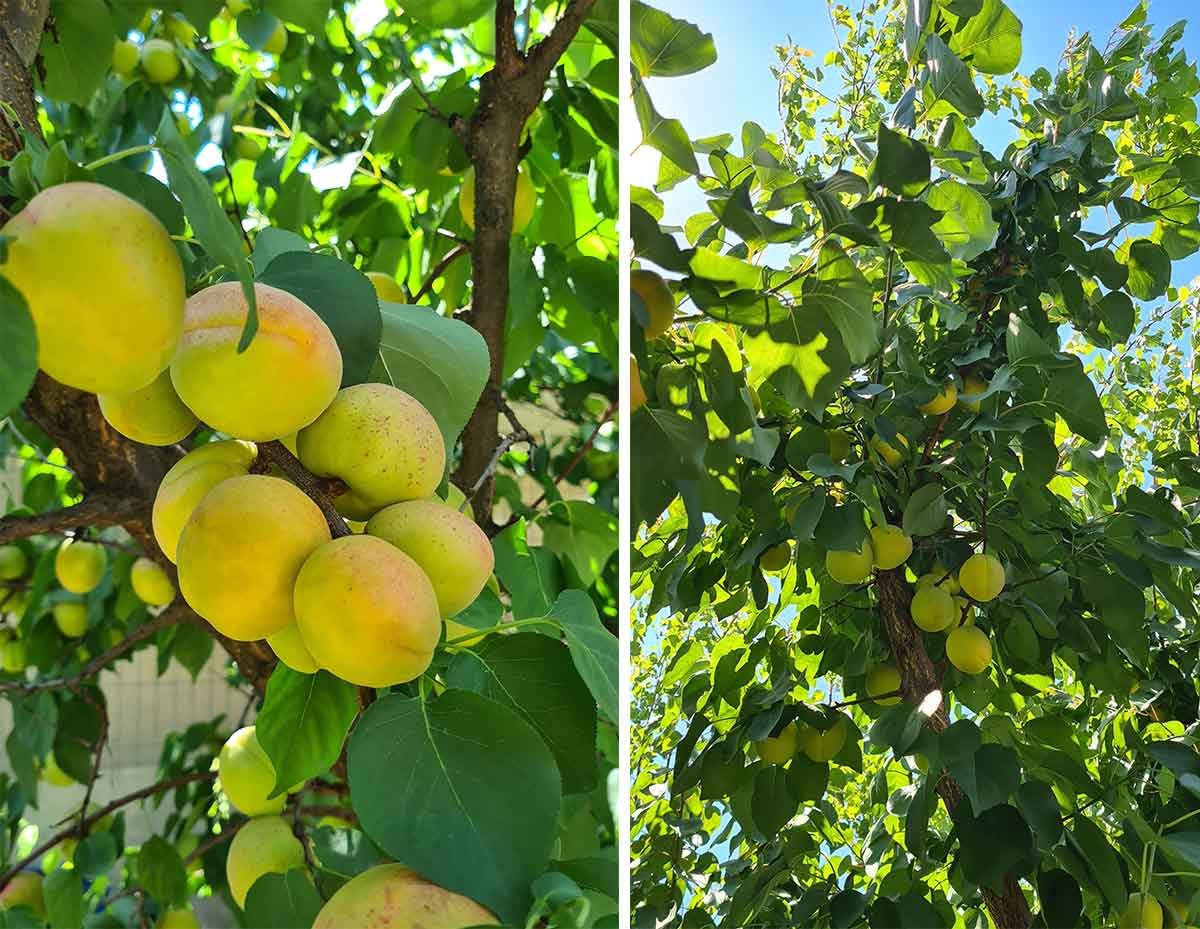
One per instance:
(391, 896)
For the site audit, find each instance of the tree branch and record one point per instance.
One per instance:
(452, 256)
(96, 510)
(509, 61)
(322, 490)
(542, 57)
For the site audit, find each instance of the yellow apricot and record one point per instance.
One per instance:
(776, 558)
(891, 547)
(889, 453)
(367, 612)
(160, 61)
(281, 383)
(152, 415)
(1142, 911)
(883, 679)
(249, 148)
(178, 919)
(189, 479)
(659, 301)
(972, 384)
(241, 551)
(933, 608)
(779, 749)
(455, 554)
(391, 896)
(79, 566)
(25, 889)
(55, 776)
(104, 284)
(637, 393)
(125, 57)
(382, 442)
(246, 775)
(982, 577)
(941, 576)
(524, 201)
(942, 401)
(150, 583)
(457, 500)
(822, 746)
(851, 567)
(13, 562)
(968, 649)
(276, 44)
(288, 646)
(265, 845)
(71, 617)
(386, 287)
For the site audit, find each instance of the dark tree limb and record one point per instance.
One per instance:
(322, 490)
(96, 510)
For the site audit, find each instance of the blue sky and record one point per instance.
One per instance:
(740, 86)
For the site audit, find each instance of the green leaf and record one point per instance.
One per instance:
(966, 228)
(995, 843)
(442, 362)
(1149, 268)
(63, 894)
(530, 574)
(96, 855)
(342, 296)
(926, 511)
(309, 15)
(1061, 898)
(663, 46)
(593, 648)
(581, 534)
(1038, 805)
(303, 723)
(844, 295)
(160, 871)
(990, 41)
(464, 773)
(772, 803)
(18, 361)
(948, 79)
(1073, 394)
(666, 135)
(801, 356)
(534, 675)
(1100, 858)
(901, 163)
(282, 900)
(208, 219)
(77, 52)
(345, 852)
(988, 777)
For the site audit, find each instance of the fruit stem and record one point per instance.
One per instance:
(118, 156)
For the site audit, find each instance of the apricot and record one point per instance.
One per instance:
(367, 611)
(524, 201)
(152, 415)
(822, 746)
(973, 385)
(382, 442)
(276, 44)
(941, 576)
(55, 776)
(851, 567)
(890, 546)
(386, 287)
(246, 775)
(13, 562)
(71, 617)
(776, 558)
(888, 452)
(125, 57)
(104, 284)
(457, 501)
(942, 401)
(178, 919)
(160, 61)
(1142, 911)
(637, 393)
(455, 554)
(883, 679)
(249, 148)
(288, 646)
(79, 566)
(982, 577)
(968, 649)
(13, 658)
(933, 609)
(779, 749)
(13, 601)
(281, 383)
(659, 301)
(151, 583)
(265, 845)
(189, 479)
(241, 551)
(391, 896)
(25, 889)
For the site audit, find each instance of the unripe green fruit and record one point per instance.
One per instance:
(178, 919)
(248, 148)
(277, 43)
(776, 558)
(153, 415)
(391, 896)
(386, 287)
(883, 679)
(265, 845)
(851, 567)
(82, 240)
(523, 203)
(186, 484)
(12, 657)
(151, 583)
(1142, 912)
(125, 57)
(889, 453)
(982, 577)
(79, 566)
(55, 776)
(180, 30)
(968, 649)
(455, 554)
(13, 562)
(659, 301)
(160, 61)
(288, 646)
(933, 609)
(25, 889)
(942, 401)
(246, 775)
(824, 746)
(387, 621)
(382, 442)
(779, 749)
(71, 617)
(281, 383)
(241, 551)
(891, 547)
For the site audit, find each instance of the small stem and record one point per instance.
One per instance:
(118, 156)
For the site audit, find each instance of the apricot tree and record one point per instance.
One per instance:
(309, 367)
(956, 387)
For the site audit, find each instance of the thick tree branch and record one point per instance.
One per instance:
(509, 61)
(543, 56)
(96, 510)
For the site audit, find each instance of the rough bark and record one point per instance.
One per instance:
(918, 678)
(508, 95)
(21, 26)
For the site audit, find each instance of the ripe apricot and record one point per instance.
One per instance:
(189, 479)
(391, 896)
(152, 415)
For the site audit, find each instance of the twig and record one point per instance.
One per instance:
(88, 821)
(237, 207)
(934, 437)
(858, 700)
(506, 442)
(322, 490)
(318, 811)
(96, 510)
(99, 752)
(437, 272)
(583, 450)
